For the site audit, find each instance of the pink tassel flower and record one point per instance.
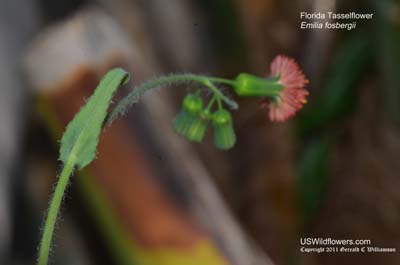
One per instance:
(293, 96)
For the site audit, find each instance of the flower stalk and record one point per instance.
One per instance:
(174, 79)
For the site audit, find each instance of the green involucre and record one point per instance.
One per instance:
(224, 134)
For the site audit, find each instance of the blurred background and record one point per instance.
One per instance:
(151, 198)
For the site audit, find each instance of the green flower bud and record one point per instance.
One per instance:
(249, 85)
(192, 121)
(182, 122)
(197, 129)
(224, 134)
(192, 103)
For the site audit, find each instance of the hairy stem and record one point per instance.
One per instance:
(138, 91)
(53, 212)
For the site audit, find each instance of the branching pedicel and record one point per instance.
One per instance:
(283, 93)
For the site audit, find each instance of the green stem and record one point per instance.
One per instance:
(53, 211)
(219, 103)
(213, 88)
(211, 103)
(221, 80)
(138, 91)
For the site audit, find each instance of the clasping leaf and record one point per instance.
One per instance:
(80, 139)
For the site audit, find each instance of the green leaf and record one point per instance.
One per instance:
(81, 136)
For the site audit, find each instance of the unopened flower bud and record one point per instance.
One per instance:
(192, 103)
(190, 122)
(224, 134)
(197, 129)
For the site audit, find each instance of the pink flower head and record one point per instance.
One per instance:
(293, 96)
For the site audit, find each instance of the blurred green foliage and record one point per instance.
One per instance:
(336, 99)
(338, 94)
(313, 169)
(386, 44)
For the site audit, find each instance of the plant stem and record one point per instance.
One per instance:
(53, 212)
(138, 91)
(211, 103)
(221, 80)
(215, 90)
